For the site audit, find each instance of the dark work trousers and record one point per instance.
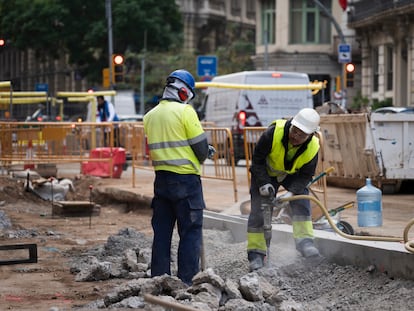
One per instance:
(178, 199)
(107, 136)
(300, 209)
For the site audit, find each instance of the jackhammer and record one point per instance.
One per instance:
(267, 205)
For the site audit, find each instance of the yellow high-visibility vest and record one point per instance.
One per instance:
(171, 128)
(276, 158)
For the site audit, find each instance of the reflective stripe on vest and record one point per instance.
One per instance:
(276, 158)
(171, 128)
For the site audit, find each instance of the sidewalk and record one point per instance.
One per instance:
(398, 209)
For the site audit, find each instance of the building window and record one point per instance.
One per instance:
(268, 21)
(389, 69)
(217, 5)
(308, 23)
(375, 69)
(235, 7)
(251, 9)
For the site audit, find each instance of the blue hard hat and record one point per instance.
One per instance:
(185, 77)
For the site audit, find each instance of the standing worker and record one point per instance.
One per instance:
(178, 145)
(107, 113)
(285, 155)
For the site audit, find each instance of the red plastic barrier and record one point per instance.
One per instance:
(102, 169)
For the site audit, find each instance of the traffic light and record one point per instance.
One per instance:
(117, 68)
(2, 42)
(349, 74)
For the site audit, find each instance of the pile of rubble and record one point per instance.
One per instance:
(127, 255)
(290, 283)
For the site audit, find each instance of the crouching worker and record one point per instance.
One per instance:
(285, 155)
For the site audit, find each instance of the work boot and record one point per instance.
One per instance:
(256, 261)
(307, 248)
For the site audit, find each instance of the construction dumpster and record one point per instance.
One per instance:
(376, 146)
(393, 142)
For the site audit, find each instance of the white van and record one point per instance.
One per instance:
(236, 108)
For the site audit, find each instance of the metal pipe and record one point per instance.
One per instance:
(311, 86)
(24, 94)
(69, 94)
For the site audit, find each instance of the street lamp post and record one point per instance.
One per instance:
(342, 37)
(108, 10)
(142, 95)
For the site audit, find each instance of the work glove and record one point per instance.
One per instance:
(284, 196)
(282, 204)
(267, 190)
(211, 152)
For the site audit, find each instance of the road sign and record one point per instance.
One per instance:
(344, 53)
(206, 66)
(41, 87)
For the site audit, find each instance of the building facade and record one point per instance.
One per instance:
(209, 24)
(386, 32)
(28, 73)
(298, 35)
(290, 35)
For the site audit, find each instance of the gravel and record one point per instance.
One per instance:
(307, 284)
(314, 285)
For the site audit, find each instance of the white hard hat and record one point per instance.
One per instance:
(307, 120)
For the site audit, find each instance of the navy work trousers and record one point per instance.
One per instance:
(178, 199)
(299, 208)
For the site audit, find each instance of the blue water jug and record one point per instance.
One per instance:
(369, 200)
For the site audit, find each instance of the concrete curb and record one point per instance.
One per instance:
(390, 258)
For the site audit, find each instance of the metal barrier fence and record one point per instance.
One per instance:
(222, 167)
(224, 164)
(139, 151)
(318, 188)
(26, 144)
